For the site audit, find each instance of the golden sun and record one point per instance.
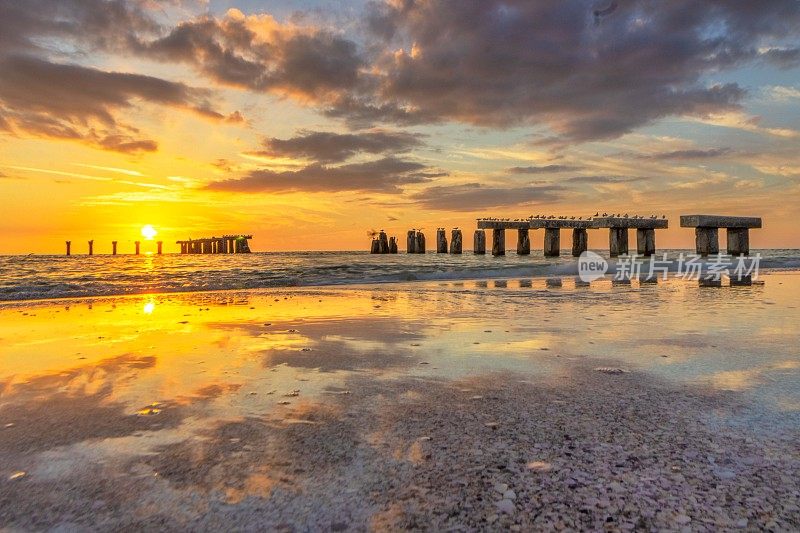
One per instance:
(148, 232)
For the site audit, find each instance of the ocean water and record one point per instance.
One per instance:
(49, 276)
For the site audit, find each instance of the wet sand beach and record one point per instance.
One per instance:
(512, 404)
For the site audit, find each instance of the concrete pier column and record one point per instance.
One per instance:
(617, 241)
(552, 242)
(113, 247)
(441, 241)
(383, 243)
(645, 241)
(160, 245)
(580, 241)
(137, 243)
(706, 240)
(91, 247)
(420, 243)
(738, 241)
(411, 242)
(69, 247)
(392, 245)
(498, 242)
(523, 242)
(375, 246)
(456, 241)
(479, 242)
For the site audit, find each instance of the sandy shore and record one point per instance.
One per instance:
(371, 421)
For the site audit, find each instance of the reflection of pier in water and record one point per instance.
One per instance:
(227, 244)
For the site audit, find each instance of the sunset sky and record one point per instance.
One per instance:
(308, 123)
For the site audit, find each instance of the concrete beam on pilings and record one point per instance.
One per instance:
(580, 241)
(707, 232)
(552, 242)
(498, 242)
(523, 241)
(645, 241)
(479, 242)
(456, 241)
(441, 241)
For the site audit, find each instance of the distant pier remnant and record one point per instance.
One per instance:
(411, 242)
(552, 242)
(479, 242)
(91, 247)
(456, 241)
(160, 245)
(113, 247)
(580, 241)
(706, 230)
(382, 244)
(69, 247)
(420, 243)
(552, 236)
(227, 244)
(441, 241)
(523, 242)
(138, 246)
(392, 245)
(618, 233)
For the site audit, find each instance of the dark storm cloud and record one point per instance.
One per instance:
(783, 58)
(472, 196)
(510, 62)
(329, 147)
(67, 101)
(312, 64)
(687, 154)
(543, 169)
(386, 175)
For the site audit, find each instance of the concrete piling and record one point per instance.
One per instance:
(411, 242)
(523, 242)
(617, 241)
(137, 243)
(456, 241)
(375, 247)
(113, 247)
(160, 247)
(552, 242)
(706, 241)
(441, 241)
(738, 241)
(69, 247)
(580, 241)
(392, 245)
(479, 242)
(498, 242)
(645, 241)
(383, 243)
(420, 242)
(91, 247)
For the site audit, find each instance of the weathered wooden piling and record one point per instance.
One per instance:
(441, 241)
(69, 247)
(411, 242)
(498, 242)
(137, 243)
(580, 241)
(552, 242)
(113, 247)
(617, 241)
(479, 242)
(706, 229)
(91, 247)
(645, 241)
(456, 241)
(419, 245)
(392, 245)
(160, 247)
(523, 242)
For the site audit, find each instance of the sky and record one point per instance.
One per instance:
(310, 123)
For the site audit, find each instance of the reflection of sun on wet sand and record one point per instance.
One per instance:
(523, 406)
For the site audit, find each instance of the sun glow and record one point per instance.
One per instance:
(148, 232)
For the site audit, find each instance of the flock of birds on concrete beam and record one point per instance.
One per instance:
(561, 217)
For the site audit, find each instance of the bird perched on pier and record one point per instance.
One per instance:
(663, 216)
(604, 214)
(598, 214)
(572, 218)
